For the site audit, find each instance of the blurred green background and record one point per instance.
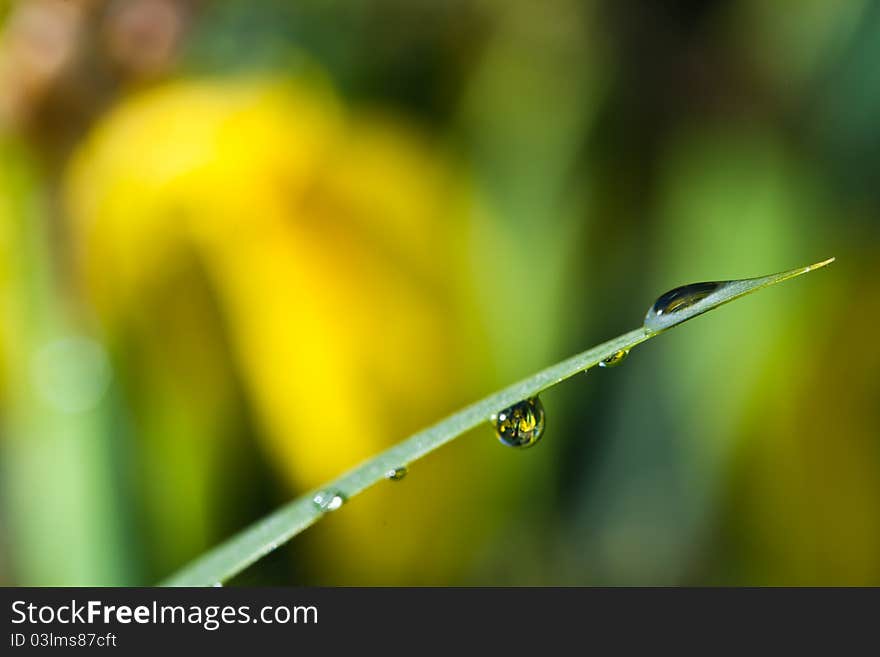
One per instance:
(244, 246)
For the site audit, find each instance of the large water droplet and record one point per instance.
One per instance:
(615, 359)
(688, 301)
(328, 500)
(396, 474)
(669, 309)
(521, 425)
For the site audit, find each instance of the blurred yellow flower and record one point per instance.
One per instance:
(335, 245)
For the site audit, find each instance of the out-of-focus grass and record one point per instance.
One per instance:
(57, 458)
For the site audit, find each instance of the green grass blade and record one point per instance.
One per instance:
(243, 549)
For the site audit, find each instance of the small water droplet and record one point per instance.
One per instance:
(217, 585)
(396, 474)
(520, 425)
(615, 359)
(328, 500)
(668, 309)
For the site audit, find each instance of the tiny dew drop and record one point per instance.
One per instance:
(328, 500)
(615, 359)
(396, 474)
(520, 425)
(670, 308)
